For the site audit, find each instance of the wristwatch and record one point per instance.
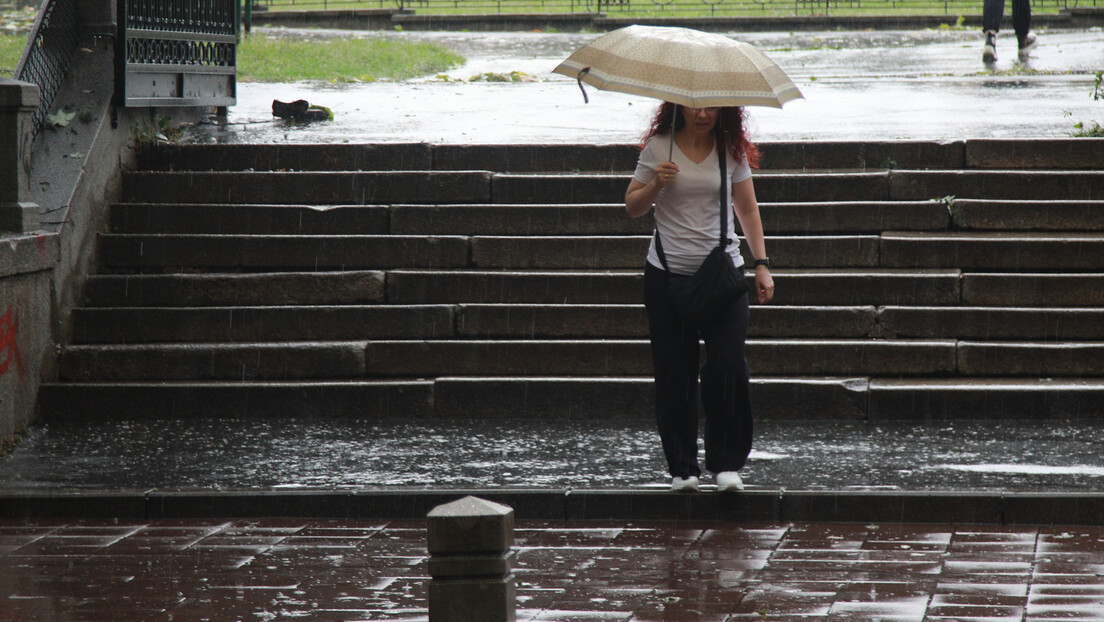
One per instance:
(761, 262)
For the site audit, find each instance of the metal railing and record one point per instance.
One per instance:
(49, 53)
(176, 52)
(680, 8)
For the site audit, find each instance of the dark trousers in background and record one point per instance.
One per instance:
(725, 396)
(993, 11)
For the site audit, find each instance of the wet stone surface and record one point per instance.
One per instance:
(353, 570)
(871, 85)
(340, 453)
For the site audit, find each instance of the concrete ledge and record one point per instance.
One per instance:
(24, 254)
(756, 506)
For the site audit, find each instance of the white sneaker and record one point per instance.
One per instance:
(729, 481)
(989, 52)
(684, 484)
(1029, 42)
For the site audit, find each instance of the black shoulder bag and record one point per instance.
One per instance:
(700, 298)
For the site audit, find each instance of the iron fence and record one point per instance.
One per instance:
(682, 8)
(176, 52)
(50, 48)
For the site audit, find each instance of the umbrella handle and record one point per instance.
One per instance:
(579, 78)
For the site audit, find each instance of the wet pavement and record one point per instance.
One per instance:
(871, 85)
(623, 454)
(600, 571)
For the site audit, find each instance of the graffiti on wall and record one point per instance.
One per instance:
(9, 349)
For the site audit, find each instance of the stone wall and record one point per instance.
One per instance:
(54, 195)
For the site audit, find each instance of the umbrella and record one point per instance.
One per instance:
(680, 65)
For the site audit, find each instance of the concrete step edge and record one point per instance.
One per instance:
(772, 505)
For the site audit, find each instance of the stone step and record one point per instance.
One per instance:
(633, 357)
(543, 321)
(977, 153)
(266, 323)
(292, 288)
(348, 252)
(784, 398)
(773, 186)
(992, 323)
(185, 218)
(308, 188)
(447, 397)
(1025, 215)
(769, 357)
(913, 185)
(770, 186)
(465, 321)
(205, 361)
(415, 287)
(794, 287)
(375, 399)
(293, 252)
(1033, 289)
(1021, 251)
(418, 358)
(597, 219)
(531, 219)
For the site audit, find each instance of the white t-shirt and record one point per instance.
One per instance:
(687, 212)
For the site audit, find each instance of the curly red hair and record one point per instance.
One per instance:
(731, 127)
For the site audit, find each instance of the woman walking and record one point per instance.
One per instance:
(682, 181)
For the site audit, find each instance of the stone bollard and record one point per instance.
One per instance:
(471, 562)
(18, 100)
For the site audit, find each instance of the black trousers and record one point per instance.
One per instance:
(993, 11)
(724, 389)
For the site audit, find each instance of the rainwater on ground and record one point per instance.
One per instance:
(870, 85)
(619, 454)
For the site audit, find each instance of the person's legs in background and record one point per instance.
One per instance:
(1021, 21)
(992, 11)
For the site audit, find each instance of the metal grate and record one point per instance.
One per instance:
(49, 53)
(177, 52)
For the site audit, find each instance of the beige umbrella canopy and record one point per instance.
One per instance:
(680, 65)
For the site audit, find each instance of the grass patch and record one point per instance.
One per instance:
(11, 48)
(267, 59)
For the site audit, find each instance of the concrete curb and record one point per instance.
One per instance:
(768, 505)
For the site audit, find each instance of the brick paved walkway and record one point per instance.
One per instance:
(375, 570)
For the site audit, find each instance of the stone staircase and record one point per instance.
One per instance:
(915, 280)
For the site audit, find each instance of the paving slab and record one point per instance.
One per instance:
(345, 569)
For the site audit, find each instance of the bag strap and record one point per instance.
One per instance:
(723, 238)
